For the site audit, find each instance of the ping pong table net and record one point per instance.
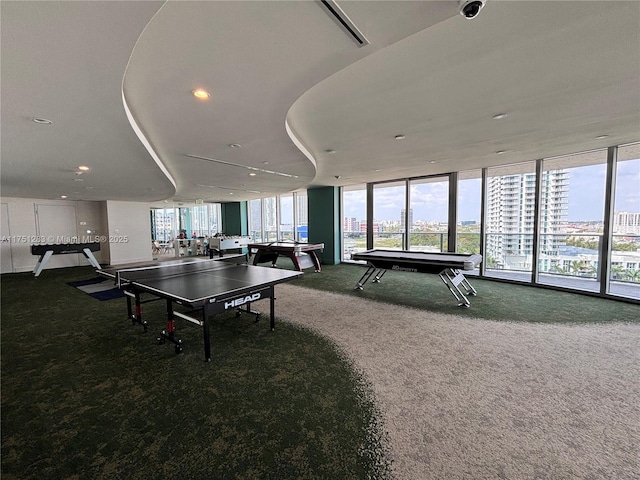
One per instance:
(158, 272)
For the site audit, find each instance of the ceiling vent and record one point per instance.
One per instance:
(344, 22)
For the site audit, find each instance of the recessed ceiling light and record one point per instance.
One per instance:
(500, 152)
(432, 161)
(265, 163)
(235, 145)
(78, 180)
(377, 170)
(252, 174)
(600, 137)
(42, 121)
(499, 116)
(63, 196)
(399, 137)
(201, 94)
(84, 168)
(330, 151)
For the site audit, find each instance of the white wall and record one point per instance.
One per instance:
(123, 229)
(129, 232)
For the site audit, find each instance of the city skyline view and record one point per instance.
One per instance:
(585, 200)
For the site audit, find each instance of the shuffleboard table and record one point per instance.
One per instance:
(448, 266)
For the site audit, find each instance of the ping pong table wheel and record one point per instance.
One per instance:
(161, 338)
(145, 325)
(179, 347)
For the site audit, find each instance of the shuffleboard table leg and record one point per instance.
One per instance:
(365, 278)
(452, 278)
(379, 275)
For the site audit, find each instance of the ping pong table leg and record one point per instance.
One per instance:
(272, 307)
(135, 316)
(206, 333)
(169, 333)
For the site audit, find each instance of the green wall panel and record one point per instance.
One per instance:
(324, 221)
(234, 218)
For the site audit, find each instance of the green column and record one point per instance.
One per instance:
(324, 221)
(234, 218)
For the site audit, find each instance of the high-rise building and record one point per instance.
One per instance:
(351, 224)
(402, 215)
(510, 216)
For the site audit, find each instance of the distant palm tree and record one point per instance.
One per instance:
(576, 266)
(560, 269)
(592, 271)
(617, 273)
(634, 275)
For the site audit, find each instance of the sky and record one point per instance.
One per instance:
(429, 200)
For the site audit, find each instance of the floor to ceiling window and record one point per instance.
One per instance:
(572, 220)
(278, 218)
(509, 221)
(469, 205)
(255, 220)
(580, 230)
(203, 220)
(354, 220)
(625, 250)
(389, 204)
(285, 218)
(301, 213)
(428, 215)
(270, 219)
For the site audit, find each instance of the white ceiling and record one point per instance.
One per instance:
(287, 84)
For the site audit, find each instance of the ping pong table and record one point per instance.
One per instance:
(207, 286)
(303, 255)
(447, 265)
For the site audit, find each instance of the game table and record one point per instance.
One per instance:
(303, 255)
(448, 266)
(206, 286)
(222, 243)
(46, 251)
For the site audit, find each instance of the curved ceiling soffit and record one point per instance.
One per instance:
(132, 121)
(297, 141)
(176, 151)
(387, 41)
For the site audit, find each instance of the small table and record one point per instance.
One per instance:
(45, 252)
(223, 243)
(447, 265)
(303, 255)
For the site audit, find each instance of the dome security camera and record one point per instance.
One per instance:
(471, 8)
